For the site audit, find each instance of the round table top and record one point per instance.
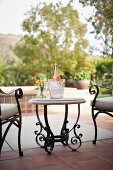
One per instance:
(62, 101)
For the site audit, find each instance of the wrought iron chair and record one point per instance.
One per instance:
(100, 105)
(10, 114)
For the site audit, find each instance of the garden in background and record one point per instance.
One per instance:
(55, 34)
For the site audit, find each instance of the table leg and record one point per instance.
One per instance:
(64, 130)
(49, 139)
(75, 142)
(40, 137)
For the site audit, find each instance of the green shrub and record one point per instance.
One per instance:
(82, 75)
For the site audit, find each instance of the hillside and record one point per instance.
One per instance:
(6, 42)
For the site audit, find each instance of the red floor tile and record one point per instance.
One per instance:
(88, 156)
(94, 164)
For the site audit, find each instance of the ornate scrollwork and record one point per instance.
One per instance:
(94, 89)
(40, 138)
(76, 139)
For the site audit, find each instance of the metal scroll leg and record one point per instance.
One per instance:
(19, 136)
(95, 126)
(49, 140)
(75, 141)
(40, 137)
(64, 130)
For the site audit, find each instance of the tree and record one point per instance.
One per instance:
(102, 21)
(52, 33)
(2, 72)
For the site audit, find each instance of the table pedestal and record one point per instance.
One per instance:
(48, 141)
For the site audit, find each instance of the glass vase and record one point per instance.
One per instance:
(41, 92)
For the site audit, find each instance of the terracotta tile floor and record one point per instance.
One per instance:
(88, 156)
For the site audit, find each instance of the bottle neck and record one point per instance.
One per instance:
(56, 69)
(56, 75)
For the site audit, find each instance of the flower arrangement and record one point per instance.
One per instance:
(40, 79)
(40, 83)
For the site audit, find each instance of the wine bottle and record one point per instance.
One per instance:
(56, 75)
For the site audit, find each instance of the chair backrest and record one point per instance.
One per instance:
(10, 112)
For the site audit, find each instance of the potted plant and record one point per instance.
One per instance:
(82, 80)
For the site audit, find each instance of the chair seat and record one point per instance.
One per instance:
(8, 110)
(105, 103)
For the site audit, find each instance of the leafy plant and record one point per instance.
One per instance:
(40, 76)
(82, 75)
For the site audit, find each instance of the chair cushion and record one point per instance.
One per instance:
(8, 110)
(105, 103)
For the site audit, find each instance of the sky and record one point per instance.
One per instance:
(12, 14)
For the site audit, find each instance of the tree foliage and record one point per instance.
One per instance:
(103, 72)
(102, 21)
(52, 33)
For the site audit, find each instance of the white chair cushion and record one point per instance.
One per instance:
(105, 103)
(8, 110)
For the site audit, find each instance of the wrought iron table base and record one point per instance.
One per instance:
(47, 141)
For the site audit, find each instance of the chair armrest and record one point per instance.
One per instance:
(94, 90)
(18, 93)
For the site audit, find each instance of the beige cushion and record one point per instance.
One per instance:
(8, 110)
(105, 103)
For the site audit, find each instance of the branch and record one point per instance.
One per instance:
(103, 52)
